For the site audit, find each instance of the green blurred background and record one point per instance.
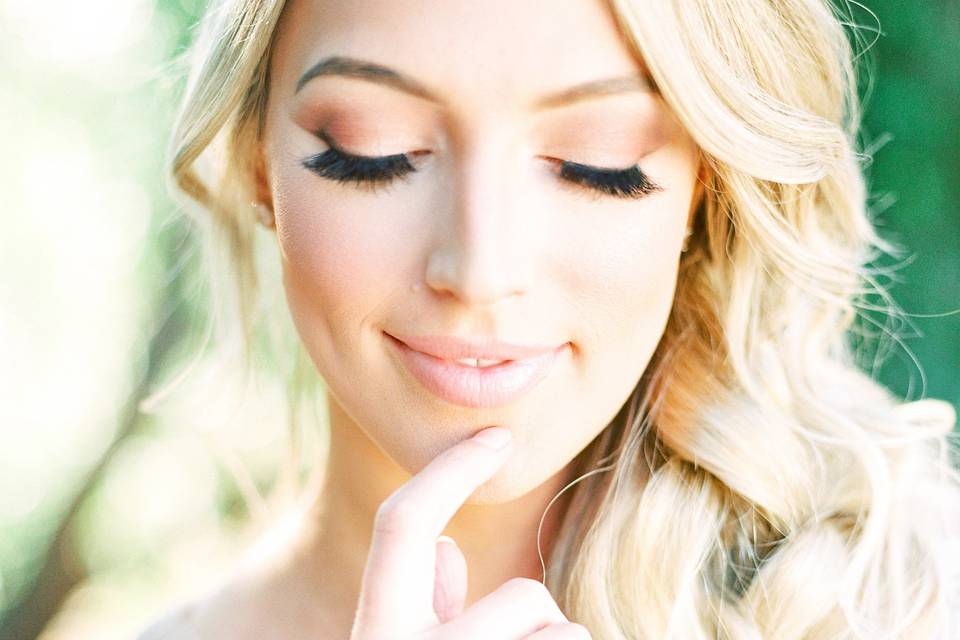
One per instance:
(108, 513)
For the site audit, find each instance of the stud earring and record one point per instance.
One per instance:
(264, 215)
(686, 240)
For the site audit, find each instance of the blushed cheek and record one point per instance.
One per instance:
(623, 281)
(637, 306)
(337, 265)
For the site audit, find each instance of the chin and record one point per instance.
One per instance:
(505, 486)
(493, 494)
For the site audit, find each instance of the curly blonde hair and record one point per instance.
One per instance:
(756, 484)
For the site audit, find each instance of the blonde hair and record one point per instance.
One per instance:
(756, 484)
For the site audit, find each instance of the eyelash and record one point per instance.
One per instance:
(371, 172)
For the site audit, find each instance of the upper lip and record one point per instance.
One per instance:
(453, 348)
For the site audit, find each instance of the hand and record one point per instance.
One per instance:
(414, 586)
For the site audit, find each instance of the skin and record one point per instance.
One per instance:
(484, 239)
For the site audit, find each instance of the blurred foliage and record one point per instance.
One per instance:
(913, 112)
(112, 280)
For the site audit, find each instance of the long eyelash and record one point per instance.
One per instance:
(372, 172)
(621, 183)
(368, 172)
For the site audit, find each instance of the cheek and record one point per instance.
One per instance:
(621, 279)
(621, 259)
(636, 283)
(623, 276)
(337, 251)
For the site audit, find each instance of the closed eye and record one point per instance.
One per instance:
(370, 172)
(367, 172)
(630, 182)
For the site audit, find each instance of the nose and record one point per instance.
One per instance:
(484, 244)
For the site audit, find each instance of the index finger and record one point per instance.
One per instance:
(396, 595)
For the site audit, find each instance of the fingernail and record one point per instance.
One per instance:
(447, 539)
(495, 437)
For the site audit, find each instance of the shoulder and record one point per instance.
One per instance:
(251, 600)
(175, 624)
(224, 614)
(237, 609)
(211, 612)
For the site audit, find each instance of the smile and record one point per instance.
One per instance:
(475, 382)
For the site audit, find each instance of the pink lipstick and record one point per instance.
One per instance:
(520, 370)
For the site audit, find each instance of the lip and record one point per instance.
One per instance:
(451, 348)
(472, 386)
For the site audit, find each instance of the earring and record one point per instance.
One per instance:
(686, 240)
(264, 215)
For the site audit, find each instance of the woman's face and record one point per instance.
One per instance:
(482, 236)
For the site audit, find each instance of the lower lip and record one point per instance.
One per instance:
(474, 386)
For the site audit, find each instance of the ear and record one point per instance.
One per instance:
(698, 189)
(262, 191)
(263, 196)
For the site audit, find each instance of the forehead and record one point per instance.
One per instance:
(470, 52)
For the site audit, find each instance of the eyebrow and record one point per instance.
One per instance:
(373, 72)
